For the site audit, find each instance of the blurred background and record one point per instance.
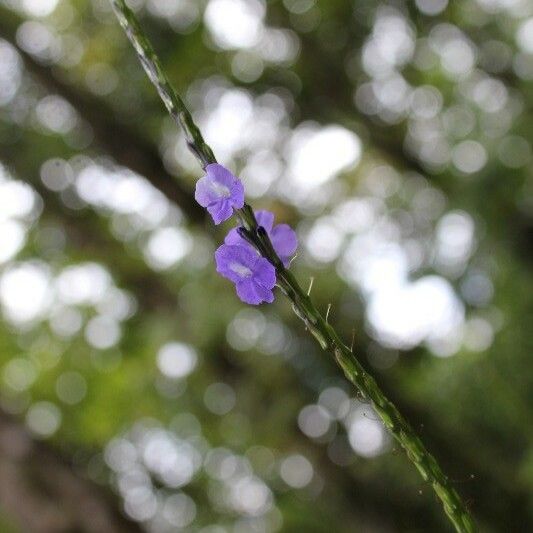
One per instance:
(137, 393)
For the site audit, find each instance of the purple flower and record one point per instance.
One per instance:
(282, 236)
(220, 192)
(253, 275)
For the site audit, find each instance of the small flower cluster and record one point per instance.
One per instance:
(220, 192)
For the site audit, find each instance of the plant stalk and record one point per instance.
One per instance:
(302, 304)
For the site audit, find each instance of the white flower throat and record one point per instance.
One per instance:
(239, 269)
(220, 190)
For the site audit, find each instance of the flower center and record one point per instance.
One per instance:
(239, 269)
(220, 190)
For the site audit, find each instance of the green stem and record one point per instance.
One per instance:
(172, 101)
(302, 304)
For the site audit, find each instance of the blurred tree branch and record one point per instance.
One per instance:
(42, 492)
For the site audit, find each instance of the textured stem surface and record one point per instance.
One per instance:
(302, 304)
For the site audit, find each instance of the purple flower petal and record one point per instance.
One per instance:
(251, 292)
(237, 194)
(282, 236)
(252, 274)
(221, 174)
(284, 241)
(220, 211)
(264, 273)
(265, 218)
(235, 262)
(233, 238)
(220, 192)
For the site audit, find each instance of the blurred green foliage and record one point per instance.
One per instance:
(396, 138)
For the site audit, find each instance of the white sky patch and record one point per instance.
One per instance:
(457, 53)
(173, 460)
(131, 194)
(431, 7)
(38, 40)
(43, 419)
(221, 464)
(478, 334)
(19, 374)
(335, 400)
(166, 247)
(120, 454)
(261, 170)
(245, 330)
(357, 214)
(176, 360)
(179, 509)
(524, 36)
(324, 240)
(316, 155)
(374, 265)
(366, 436)
(102, 332)
(392, 93)
(408, 314)
(235, 24)
(228, 122)
(56, 114)
(250, 496)
(296, 471)
(426, 102)
(65, 321)
(455, 239)
(391, 44)
(469, 156)
(490, 95)
(10, 72)
(83, 284)
(457, 57)
(247, 66)
(402, 313)
(394, 37)
(25, 292)
(314, 421)
(118, 190)
(12, 237)
(278, 45)
(117, 303)
(56, 174)
(141, 505)
(366, 433)
(94, 184)
(236, 125)
(17, 199)
(39, 8)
